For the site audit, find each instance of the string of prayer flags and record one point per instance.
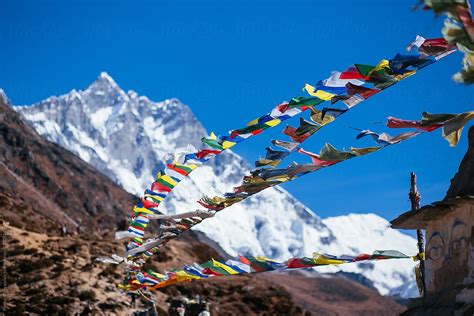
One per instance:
(174, 224)
(167, 179)
(350, 84)
(261, 179)
(452, 124)
(152, 280)
(356, 84)
(347, 85)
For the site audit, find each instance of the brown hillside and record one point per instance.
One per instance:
(331, 295)
(58, 276)
(43, 186)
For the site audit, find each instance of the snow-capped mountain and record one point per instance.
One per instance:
(126, 136)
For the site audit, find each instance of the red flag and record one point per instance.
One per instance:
(245, 260)
(158, 187)
(291, 131)
(315, 160)
(149, 204)
(203, 153)
(362, 91)
(393, 122)
(435, 46)
(352, 73)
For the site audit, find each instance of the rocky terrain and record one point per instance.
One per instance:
(44, 187)
(329, 295)
(463, 184)
(58, 276)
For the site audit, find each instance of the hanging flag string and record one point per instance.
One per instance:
(262, 179)
(152, 280)
(356, 84)
(347, 87)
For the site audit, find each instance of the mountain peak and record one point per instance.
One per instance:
(104, 76)
(4, 97)
(104, 82)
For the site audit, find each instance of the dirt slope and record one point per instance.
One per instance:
(43, 186)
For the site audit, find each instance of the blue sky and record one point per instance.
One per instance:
(232, 61)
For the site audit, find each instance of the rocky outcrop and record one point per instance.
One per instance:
(463, 182)
(44, 187)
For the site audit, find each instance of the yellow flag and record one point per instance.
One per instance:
(253, 122)
(266, 162)
(264, 259)
(226, 144)
(323, 95)
(381, 65)
(322, 259)
(155, 197)
(273, 122)
(281, 178)
(182, 275)
(167, 179)
(317, 117)
(156, 275)
(224, 267)
(142, 210)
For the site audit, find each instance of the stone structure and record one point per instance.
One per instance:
(449, 265)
